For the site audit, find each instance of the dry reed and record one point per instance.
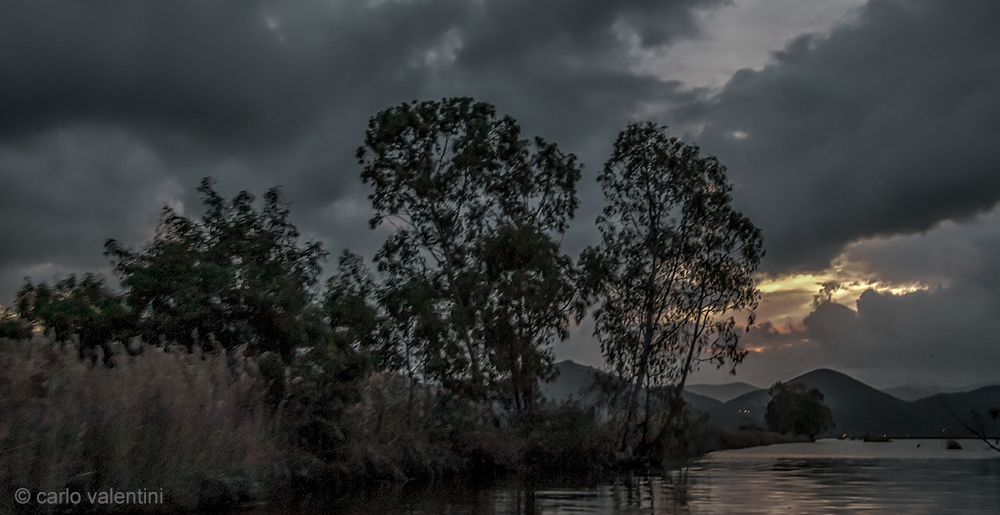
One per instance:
(156, 422)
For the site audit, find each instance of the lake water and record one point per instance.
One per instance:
(824, 477)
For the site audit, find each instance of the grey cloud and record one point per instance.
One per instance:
(958, 255)
(944, 335)
(255, 73)
(934, 336)
(192, 64)
(512, 30)
(259, 93)
(929, 337)
(217, 72)
(885, 126)
(63, 195)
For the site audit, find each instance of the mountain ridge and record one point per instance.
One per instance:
(858, 409)
(722, 392)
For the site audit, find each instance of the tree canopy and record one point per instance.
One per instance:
(13, 326)
(236, 276)
(793, 408)
(474, 273)
(85, 308)
(674, 265)
(471, 287)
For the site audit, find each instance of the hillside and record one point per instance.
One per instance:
(572, 383)
(858, 409)
(575, 380)
(722, 392)
(916, 392)
(946, 407)
(910, 393)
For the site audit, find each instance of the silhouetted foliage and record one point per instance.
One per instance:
(474, 276)
(13, 326)
(236, 276)
(351, 305)
(795, 409)
(324, 382)
(674, 264)
(86, 308)
(470, 292)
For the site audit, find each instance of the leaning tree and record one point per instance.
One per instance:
(673, 268)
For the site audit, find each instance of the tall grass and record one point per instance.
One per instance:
(170, 422)
(218, 429)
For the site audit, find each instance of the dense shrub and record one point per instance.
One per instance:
(568, 440)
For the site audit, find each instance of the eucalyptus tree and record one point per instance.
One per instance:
(236, 276)
(534, 296)
(674, 265)
(474, 257)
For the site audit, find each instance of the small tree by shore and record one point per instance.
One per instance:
(795, 409)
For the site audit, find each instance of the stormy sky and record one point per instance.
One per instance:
(860, 136)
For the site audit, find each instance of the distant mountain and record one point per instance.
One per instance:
(858, 409)
(945, 407)
(572, 383)
(916, 392)
(722, 392)
(910, 393)
(703, 404)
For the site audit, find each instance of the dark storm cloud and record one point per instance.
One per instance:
(242, 72)
(111, 109)
(885, 126)
(197, 65)
(62, 196)
(584, 27)
(257, 71)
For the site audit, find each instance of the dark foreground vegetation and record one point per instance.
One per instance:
(208, 430)
(220, 372)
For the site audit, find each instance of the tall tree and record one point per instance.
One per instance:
(534, 294)
(674, 265)
(236, 276)
(457, 182)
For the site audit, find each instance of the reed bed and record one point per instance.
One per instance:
(175, 423)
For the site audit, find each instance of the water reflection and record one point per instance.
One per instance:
(827, 477)
(667, 495)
